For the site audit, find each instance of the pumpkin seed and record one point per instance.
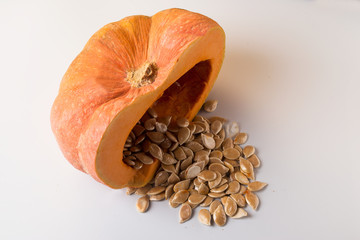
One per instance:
(165, 120)
(181, 196)
(230, 207)
(203, 189)
(241, 178)
(139, 139)
(182, 185)
(171, 136)
(204, 217)
(252, 199)
(200, 164)
(227, 143)
(210, 106)
(174, 146)
(254, 161)
(161, 178)
(231, 153)
(142, 204)
(156, 190)
(167, 159)
(218, 168)
(201, 155)
(152, 112)
(240, 138)
(182, 175)
(216, 195)
(248, 151)
(171, 203)
(216, 126)
(223, 199)
(179, 154)
(215, 160)
(188, 152)
(234, 187)
(194, 146)
(208, 141)
(214, 205)
(146, 145)
(156, 137)
(240, 213)
(216, 182)
(199, 129)
(138, 130)
(196, 198)
(220, 189)
(158, 197)
(217, 118)
(256, 186)
(234, 163)
(245, 165)
(183, 135)
(145, 159)
(128, 161)
(130, 190)
(237, 147)
(232, 129)
(166, 143)
(239, 199)
(182, 122)
(222, 134)
(207, 175)
(191, 205)
(185, 163)
(229, 166)
(161, 127)
(185, 212)
(150, 124)
(216, 153)
(156, 151)
(243, 189)
(173, 128)
(169, 191)
(143, 190)
(208, 200)
(219, 216)
(192, 171)
(250, 175)
(138, 165)
(173, 178)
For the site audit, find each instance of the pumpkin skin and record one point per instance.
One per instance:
(124, 69)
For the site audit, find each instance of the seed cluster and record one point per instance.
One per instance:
(202, 163)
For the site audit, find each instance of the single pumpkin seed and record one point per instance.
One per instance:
(182, 185)
(138, 165)
(256, 186)
(232, 129)
(218, 168)
(179, 154)
(243, 189)
(128, 161)
(201, 155)
(183, 135)
(204, 217)
(223, 199)
(240, 213)
(182, 175)
(142, 204)
(200, 164)
(216, 195)
(139, 139)
(174, 178)
(248, 151)
(156, 190)
(210, 106)
(208, 200)
(171, 136)
(220, 189)
(216, 153)
(252, 199)
(156, 151)
(161, 127)
(234, 187)
(213, 206)
(173, 146)
(166, 143)
(161, 178)
(198, 129)
(135, 149)
(208, 141)
(145, 159)
(229, 166)
(254, 161)
(138, 130)
(241, 178)
(186, 163)
(171, 203)
(222, 134)
(181, 196)
(231, 153)
(237, 147)
(127, 153)
(234, 163)
(130, 190)
(194, 146)
(158, 197)
(169, 191)
(250, 175)
(207, 175)
(188, 152)
(216, 126)
(240, 138)
(220, 216)
(191, 204)
(223, 181)
(192, 171)
(173, 128)
(196, 198)
(167, 159)
(215, 160)
(143, 190)
(239, 199)
(227, 143)
(156, 137)
(165, 120)
(230, 207)
(216, 182)
(245, 165)
(150, 124)
(203, 189)
(152, 112)
(217, 118)
(182, 122)
(168, 168)
(146, 145)
(197, 182)
(185, 212)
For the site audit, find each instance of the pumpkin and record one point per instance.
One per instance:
(171, 59)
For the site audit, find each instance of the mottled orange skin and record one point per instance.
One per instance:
(94, 90)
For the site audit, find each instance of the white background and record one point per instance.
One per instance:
(291, 78)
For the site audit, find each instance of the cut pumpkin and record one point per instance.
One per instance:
(169, 61)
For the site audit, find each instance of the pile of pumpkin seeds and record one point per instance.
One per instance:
(202, 163)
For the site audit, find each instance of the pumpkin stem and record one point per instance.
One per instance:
(142, 76)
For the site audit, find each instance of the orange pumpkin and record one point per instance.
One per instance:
(171, 58)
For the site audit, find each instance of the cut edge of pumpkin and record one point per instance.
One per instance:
(109, 166)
